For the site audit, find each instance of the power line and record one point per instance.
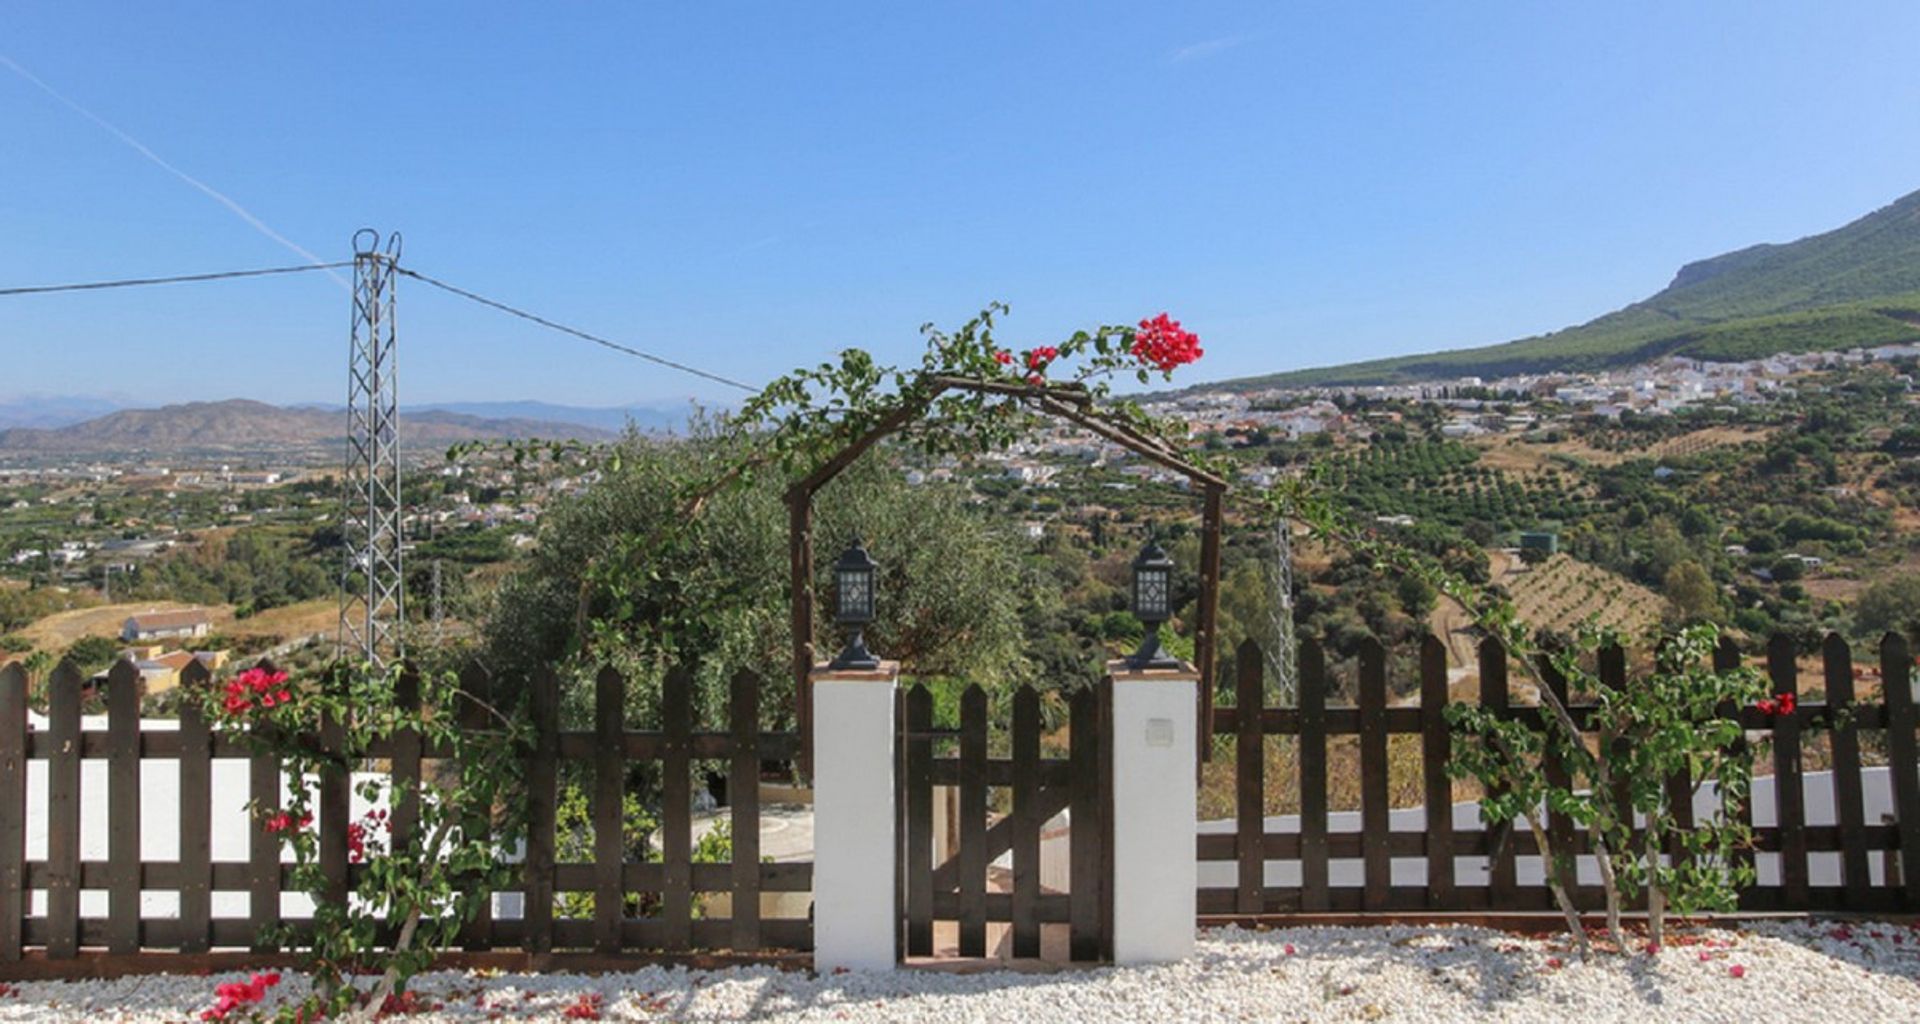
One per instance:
(576, 332)
(132, 282)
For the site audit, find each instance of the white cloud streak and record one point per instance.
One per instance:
(140, 147)
(1207, 48)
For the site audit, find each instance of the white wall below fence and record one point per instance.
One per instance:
(1823, 868)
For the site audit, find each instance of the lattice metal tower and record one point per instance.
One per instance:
(1283, 663)
(372, 583)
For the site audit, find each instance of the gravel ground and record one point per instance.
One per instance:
(1859, 972)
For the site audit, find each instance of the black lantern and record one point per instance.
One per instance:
(853, 576)
(1152, 605)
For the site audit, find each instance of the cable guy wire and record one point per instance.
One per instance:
(132, 282)
(139, 147)
(576, 332)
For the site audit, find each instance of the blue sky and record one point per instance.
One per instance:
(749, 187)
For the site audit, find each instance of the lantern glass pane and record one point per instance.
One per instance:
(856, 595)
(1152, 596)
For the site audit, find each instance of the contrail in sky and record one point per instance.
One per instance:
(139, 147)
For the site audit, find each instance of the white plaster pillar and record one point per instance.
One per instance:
(1155, 790)
(855, 869)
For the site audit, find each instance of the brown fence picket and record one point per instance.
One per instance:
(743, 792)
(1896, 681)
(476, 693)
(263, 848)
(1788, 795)
(1436, 746)
(123, 808)
(1249, 776)
(1739, 809)
(13, 810)
(1553, 767)
(973, 822)
(609, 796)
(542, 795)
(1085, 842)
(196, 812)
(1613, 675)
(1314, 889)
(676, 799)
(336, 806)
(1026, 822)
(918, 753)
(1374, 821)
(1849, 800)
(1501, 884)
(63, 812)
(405, 772)
(1679, 796)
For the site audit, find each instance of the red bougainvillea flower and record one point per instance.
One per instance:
(256, 687)
(1038, 358)
(1161, 343)
(1778, 704)
(1035, 379)
(1003, 357)
(587, 1007)
(234, 995)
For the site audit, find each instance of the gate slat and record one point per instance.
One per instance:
(918, 773)
(13, 809)
(743, 791)
(1374, 823)
(1501, 886)
(1896, 680)
(1788, 795)
(63, 813)
(1085, 896)
(1026, 829)
(973, 822)
(676, 795)
(1249, 778)
(123, 808)
(544, 704)
(196, 813)
(1848, 798)
(1436, 748)
(1314, 893)
(476, 691)
(609, 795)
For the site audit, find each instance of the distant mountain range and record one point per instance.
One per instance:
(244, 425)
(1856, 286)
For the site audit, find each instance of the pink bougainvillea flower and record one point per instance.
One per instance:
(1737, 970)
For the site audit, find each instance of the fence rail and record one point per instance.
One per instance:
(1414, 859)
(229, 901)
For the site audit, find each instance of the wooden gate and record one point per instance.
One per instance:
(1001, 871)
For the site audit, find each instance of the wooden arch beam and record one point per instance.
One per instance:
(1068, 403)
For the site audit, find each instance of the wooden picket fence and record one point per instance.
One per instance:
(41, 898)
(1432, 849)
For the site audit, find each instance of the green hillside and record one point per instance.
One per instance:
(1858, 285)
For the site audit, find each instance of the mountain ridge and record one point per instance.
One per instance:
(1856, 285)
(241, 423)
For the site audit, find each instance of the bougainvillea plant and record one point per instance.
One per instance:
(406, 895)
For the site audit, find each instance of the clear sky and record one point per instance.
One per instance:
(749, 187)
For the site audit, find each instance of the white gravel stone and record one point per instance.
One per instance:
(1859, 972)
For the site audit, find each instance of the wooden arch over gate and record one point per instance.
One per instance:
(1072, 404)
